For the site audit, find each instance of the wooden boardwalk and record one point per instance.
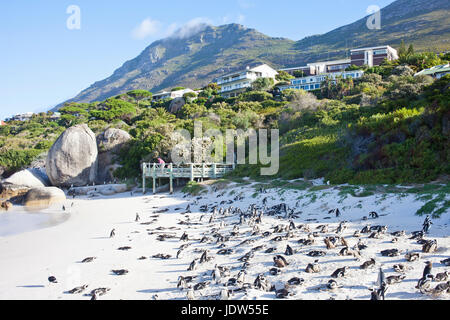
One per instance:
(189, 171)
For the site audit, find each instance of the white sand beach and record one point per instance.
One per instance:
(29, 258)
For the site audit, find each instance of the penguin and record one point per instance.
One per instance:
(446, 262)
(427, 270)
(373, 215)
(441, 277)
(241, 276)
(113, 233)
(289, 251)
(261, 283)
(313, 267)
(137, 217)
(275, 271)
(400, 268)
(424, 284)
(64, 208)
(332, 285)
(78, 289)
(181, 283)
(412, 256)
(429, 246)
(339, 273)
(224, 294)
(204, 257)
(329, 244)
(89, 259)
(184, 237)
(395, 279)
(52, 279)
(368, 264)
(280, 261)
(193, 265)
(441, 288)
(296, 281)
(190, 294)
(120, 272)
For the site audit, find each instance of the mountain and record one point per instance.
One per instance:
(192, 59)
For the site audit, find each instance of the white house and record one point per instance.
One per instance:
(233, 84)
(171, 94)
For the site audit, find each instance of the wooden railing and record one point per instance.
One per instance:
(188, 171)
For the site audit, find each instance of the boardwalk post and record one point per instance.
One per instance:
(143, 178)
(171, 178)
(154, 178)
(214, 170)
(203, 171)
(192, 172)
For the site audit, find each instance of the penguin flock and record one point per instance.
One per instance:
(274, 251)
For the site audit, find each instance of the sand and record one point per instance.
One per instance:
(29, 258)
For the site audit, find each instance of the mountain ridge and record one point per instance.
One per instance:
(194, 59)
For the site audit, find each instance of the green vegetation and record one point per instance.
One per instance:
(193, 188)
(388, 127)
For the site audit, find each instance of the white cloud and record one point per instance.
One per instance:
(147, 28)
(241, 18)
(191, 27)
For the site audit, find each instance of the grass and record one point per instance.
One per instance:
(193, 188)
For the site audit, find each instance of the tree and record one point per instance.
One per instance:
(262, 84)
(299, 74)
(283, 76)
(139, 95)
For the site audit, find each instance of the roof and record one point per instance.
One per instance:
(372, 48)
(434, 70)
(331, 62)
(248, 68)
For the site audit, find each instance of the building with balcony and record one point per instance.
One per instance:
(233, 84)
(311, 83)
(373, 56)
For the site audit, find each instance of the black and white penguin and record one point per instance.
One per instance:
(443, 276)
(184, 237)
(340, 272)
(427, 270)
(289, 251)
(313, 267)
(373, 215)
(412, 256)
(137, 217)
(193, 265)
(400, 268)
(89, 259)
(280, 261)
(120, 272)
(395, 279)
(368, 264)
(113, 233)
(424, 284)
(446, 262)
(78, 289)
(52, 279)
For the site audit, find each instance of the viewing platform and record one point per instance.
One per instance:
(189, 171)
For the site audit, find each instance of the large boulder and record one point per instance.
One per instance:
(31, 178)
(72, 160)
(176, 104)
(44, 197)
(109, 144)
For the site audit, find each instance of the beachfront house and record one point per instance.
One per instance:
(21, 117)
(311, 83)
(232, 84)
(436, 72)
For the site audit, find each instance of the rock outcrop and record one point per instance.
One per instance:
(5, 205)
(176, 104)
(72, 160)
(109, 144)
(44, 197)
(31, 178)
(13, 193)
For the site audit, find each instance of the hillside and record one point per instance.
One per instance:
(195, 60)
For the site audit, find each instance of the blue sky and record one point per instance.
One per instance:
(44, 63)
